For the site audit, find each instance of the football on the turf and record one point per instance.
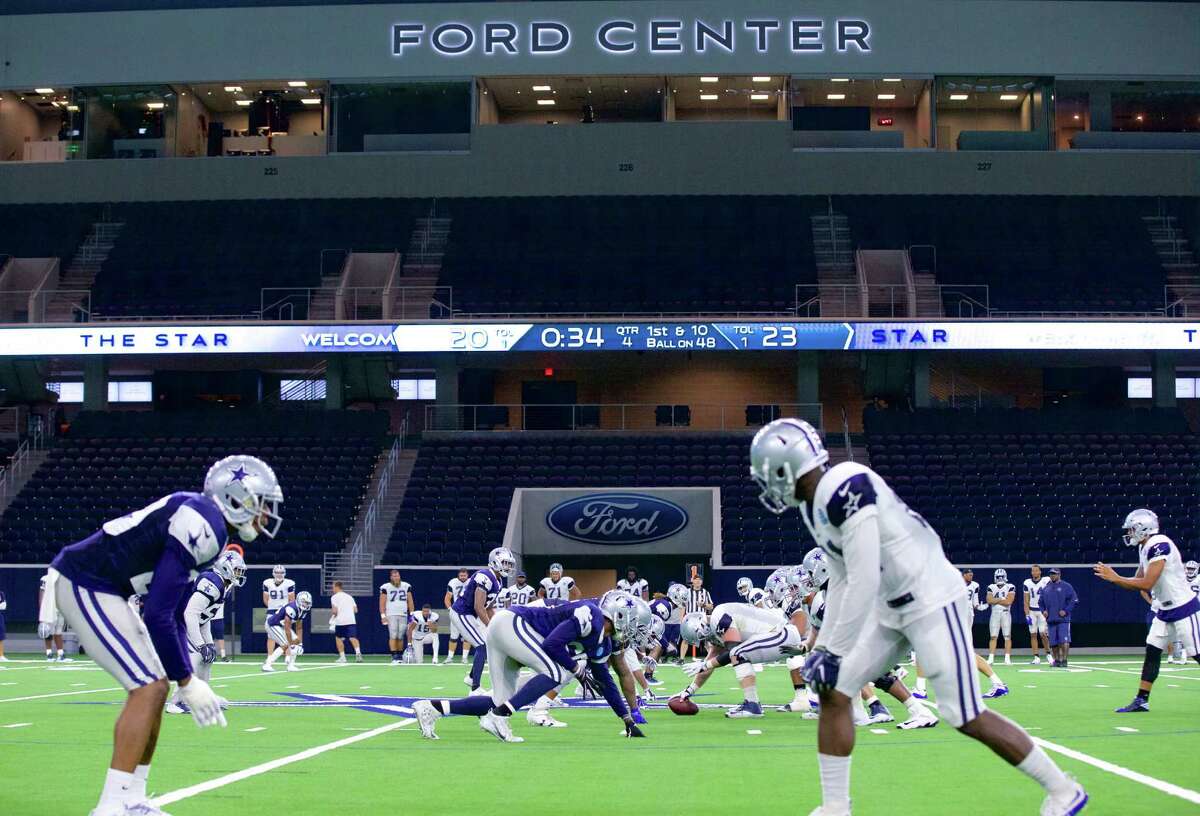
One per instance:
(683, 706)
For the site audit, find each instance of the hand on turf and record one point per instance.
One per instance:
(631, 729)
(637, 716)
(821, 671)
(202, 702)
(695, 667)
(208, 653)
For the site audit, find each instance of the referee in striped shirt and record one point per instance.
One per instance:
(698, 601)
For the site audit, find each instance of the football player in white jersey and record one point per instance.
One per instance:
(744, 587)
(277, 590)
(635, 585)
(209, 592)
(1033, 586)
(422, 629)
(454, 589)
(522, 593)
(890, 586)
(558, 588)
(1177, 608)
(1000, 597)
(395, 608)
(1191, 571)
(727, 626)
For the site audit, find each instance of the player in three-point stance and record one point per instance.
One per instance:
(285, 626)
(1177, 609)
(890, 586)
(154, 552)
(541, 638)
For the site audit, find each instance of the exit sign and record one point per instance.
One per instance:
(885, 121)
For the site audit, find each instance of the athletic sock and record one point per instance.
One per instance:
(138, 791)
(1041, 769)
(835, 782)
(872, 700)
(117, 787)
(751, 694)
(1144, 694)
(921, 684)
(60, 654)
(996, 681)
(358, 651)
(800, 695)
(914, 707)
(475, 706)
(222, 654)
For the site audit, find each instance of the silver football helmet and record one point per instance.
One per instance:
(304, 600)
(279, 572)
(231, 567)
(816, 567)
(678, 594)
(556, 567)
(658, 628)
(798, 582)
(1192, 568)
(1139, 525)
(501, 561)
(695, 628)
(780, 453)
(621, 608)
(1000, 576)
(744, 585)
(249, 495)
(776, 586)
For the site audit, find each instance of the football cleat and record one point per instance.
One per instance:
(542, 718)
(1067, 804)
(794, 707)
(426, 716)
(653, 681)
(879, 714)
(1138, 705)
(293, 667)
(1036, 660)
(498, 727)
(824, 811)
(811, 715)
(175, 708)
(1008, 660)
(925, 720)
(995, 691)
(267, 667)
(467, 680)
(395, 662)
(358, 658)
(920, 695)
(745, 711)
(341, 661)
(142, 808)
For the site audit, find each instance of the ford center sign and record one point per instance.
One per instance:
(617, 519)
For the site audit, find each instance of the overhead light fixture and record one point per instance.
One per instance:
(44, 91)
(1076, 116)
(75, 109)
(297, 83)
(1139, 117)
(761, 79)
(892, 79)
(1009, 97)
(547, 102)
(155, 105)
(709, 97)
(840, 79)
(541, 88)
(233, 89)
(311, 100)
(760, 97)
(886, 96)
(244, 103)
(710, 79)
(835, 97)
(959, 97)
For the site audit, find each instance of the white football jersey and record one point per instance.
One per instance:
(973, 594)
(504, 598)
(421, 630)
(397, 597)
(816, 609)
(277, 594)
(638, 589)
(1034, 588)
(1171, 590)
(915, 578)
(1195, 586)
(749, 620)
(519, 595)
(455, 588)
(1000, 592)
(215, 593)
(559, 590)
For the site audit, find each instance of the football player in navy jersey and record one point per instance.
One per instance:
(541, 639)
(472, 611)
(155, 552)
(197, 613)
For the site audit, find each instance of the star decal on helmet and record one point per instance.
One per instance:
(239, 474)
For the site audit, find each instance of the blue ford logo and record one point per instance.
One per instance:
(617, 519)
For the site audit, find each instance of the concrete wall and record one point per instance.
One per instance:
(516, 160)
(952, 122)
(19, 123)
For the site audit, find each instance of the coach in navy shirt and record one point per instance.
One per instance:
(1058, 599)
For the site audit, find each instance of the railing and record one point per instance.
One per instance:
(172, 318)
(12, 474)
(1181, 301)
(613, 417)
(38, 301)
(356, 302)
(923, 258)
(366, 536)
(889, 300)
(356, 571)
(846, 436)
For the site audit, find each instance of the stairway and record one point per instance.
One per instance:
(415, 295)
(427, 246)
(388, 502)
(1178, 261)
(323, 305)
(20, 476)
(837, 280)
(929, 295)
(70, 304)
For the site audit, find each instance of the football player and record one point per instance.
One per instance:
(558, 588)
(473, 609)
(1000, 597)
(51, 635)
(890, 586)
(758, 598)
(522, 593)
(422, 627)
(277, 591)
(3, 607)
(728, 625)
(209, 592)
(285, 625)
(395, 611)
(744, 587)
(153, 552)
(1177, 608)
(454, 589)
(1034, 619)
(539, 639)
(634, 584)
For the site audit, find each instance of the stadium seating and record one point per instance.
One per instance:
(1023, 486)
(215, 257)
(1055, 254)
(461, 487)
(112, 463)
(629, 254)
(44, 230)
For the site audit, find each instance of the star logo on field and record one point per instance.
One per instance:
(239, 474)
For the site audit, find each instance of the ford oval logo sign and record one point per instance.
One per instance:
(617, 519)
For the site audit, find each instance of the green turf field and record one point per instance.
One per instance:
(54, 748)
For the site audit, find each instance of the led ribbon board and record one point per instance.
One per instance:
(630, 335)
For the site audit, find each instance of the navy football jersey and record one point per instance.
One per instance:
(484, 579)
(586, 624)
(288, 610)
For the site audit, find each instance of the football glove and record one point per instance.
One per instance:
(587, 684)
(695, 667)
(45, 630)
(637, 716)
(631, 729)
(1029, 620)
(821, 671)
(202, 702)
(208, 653)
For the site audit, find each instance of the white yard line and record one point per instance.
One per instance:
(238, 776)
(1157, 784)
(1172, 675)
